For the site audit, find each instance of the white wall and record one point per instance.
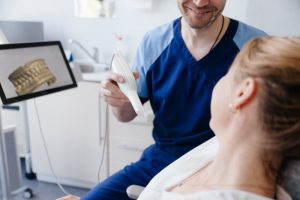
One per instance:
(60, 23)
(275, 16)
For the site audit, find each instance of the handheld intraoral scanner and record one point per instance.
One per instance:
(120, 66)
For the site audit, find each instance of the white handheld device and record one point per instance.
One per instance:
(120, 66)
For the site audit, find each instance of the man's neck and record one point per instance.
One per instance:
(200, 41)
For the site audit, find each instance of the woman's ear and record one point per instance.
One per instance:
(244, 93)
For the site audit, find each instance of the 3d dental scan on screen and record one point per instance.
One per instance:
(29, 70)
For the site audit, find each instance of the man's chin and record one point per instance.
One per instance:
(200, 24)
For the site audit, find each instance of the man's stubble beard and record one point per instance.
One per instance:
(205, 26)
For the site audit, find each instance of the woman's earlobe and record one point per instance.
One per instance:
(245, 93)
(233, 109)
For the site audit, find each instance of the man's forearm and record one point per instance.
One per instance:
(125, 113)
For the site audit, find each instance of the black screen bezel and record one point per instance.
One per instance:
(6, 100)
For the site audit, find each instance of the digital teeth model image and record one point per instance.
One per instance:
(32, 75)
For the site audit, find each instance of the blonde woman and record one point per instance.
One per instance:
(256, 119)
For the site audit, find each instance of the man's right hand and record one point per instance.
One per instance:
(111, 91)
(112, 94)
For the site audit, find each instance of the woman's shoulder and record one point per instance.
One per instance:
(182, 168)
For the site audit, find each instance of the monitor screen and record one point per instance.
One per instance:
(29, 70)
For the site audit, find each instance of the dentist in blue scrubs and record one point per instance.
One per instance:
(178, 65)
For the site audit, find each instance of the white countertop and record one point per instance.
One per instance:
(97, 75)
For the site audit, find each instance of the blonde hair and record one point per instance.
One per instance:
(275, 61)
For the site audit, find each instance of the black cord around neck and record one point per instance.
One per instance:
(218, 35)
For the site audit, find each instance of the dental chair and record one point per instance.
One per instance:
(289, 179)
(134, 191)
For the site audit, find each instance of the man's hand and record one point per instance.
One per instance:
(111, 91)
(112, 94)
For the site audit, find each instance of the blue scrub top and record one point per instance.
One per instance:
(179, 87)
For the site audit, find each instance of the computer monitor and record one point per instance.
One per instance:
(29, 70)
